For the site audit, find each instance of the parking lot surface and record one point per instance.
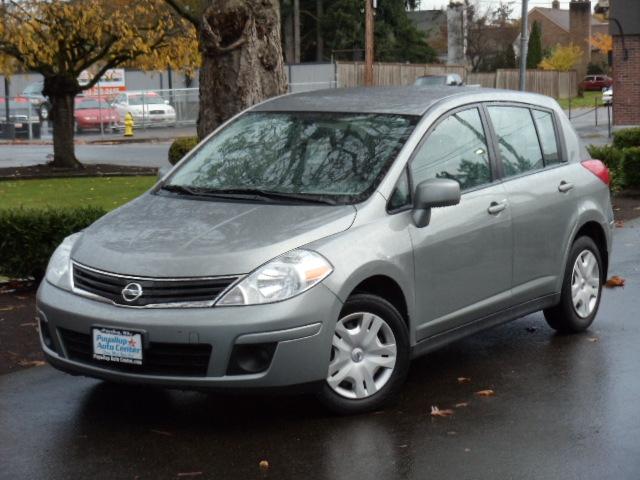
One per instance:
(565, 407)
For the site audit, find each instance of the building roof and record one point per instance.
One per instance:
(561, 17)
(408, 100)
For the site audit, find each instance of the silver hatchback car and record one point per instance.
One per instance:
(324, 239)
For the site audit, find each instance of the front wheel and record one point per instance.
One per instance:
(370, 356)
(581, 289)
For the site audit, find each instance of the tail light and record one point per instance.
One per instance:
(598, 168)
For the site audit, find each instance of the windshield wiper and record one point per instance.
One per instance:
(247, 194)
(302, 197)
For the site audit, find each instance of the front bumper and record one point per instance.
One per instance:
(301, 327)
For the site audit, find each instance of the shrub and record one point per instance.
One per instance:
(180, 147)
(631, 166)
(627, 137)
(28, 237)
(612, 157)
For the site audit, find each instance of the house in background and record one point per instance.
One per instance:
(433, 23)
(626, 61)
(575, 25)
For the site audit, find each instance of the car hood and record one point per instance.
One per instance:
(167, 236)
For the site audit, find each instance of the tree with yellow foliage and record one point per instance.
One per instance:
(602, 42)
(563, 58)
(62, 38)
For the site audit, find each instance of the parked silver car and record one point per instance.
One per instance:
(326, 238)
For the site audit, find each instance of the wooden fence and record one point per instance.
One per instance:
(551, 83)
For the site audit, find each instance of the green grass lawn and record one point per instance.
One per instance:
(586, 101)
(105, 192)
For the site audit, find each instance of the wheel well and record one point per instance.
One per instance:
(387, 288)
(594, 231)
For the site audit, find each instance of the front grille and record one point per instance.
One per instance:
(165, 359)
(195, 292)
(156, 112)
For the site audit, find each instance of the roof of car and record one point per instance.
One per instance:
(408, 100)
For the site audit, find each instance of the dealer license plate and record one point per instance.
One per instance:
(114, 345)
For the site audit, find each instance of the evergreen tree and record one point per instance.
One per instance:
(534, 50)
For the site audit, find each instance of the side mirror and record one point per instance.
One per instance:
(433, 193)
(163, 170)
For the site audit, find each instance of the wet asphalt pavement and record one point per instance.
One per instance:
(565, 407)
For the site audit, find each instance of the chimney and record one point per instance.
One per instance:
(456, 41)
(580, 31)
(555, 4)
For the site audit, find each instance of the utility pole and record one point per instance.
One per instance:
(524, 43)
(8, 126)
(368, 43)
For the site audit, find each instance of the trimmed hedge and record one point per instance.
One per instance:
(631, 166)
(180, 147)
(628, 137)
(612, 157)
(28, 237)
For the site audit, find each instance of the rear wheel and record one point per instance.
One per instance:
(369, 356)
(581, 289)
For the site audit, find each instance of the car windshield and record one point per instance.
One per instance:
(430, 81)
(339, 157)
(152, 98)
(87, 104)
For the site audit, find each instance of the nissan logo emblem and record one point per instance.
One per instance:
(132, 292)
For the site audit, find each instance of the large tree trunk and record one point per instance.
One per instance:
(241, 59)
(61, 93)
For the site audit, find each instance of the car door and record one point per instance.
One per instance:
(463, 256)
(539, 187)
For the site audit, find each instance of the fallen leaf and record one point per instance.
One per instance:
(404, 445)
(636, 208)
(189, 474)
(464, 379)
(467, 449)
(592, 339)
(461, 404)
(162, 432)
(452, 432)
(31, 363)
(619, 223)
(485, 393)
(264, 465)
(445, 412)
(615, 281)
(531, 329)
(28, 324)
(7, 309)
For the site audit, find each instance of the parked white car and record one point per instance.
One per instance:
(147, 108)
(607, 95)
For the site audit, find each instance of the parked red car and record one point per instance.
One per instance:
(90, 112)
(595, 82)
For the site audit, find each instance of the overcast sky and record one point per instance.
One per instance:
(517, 5)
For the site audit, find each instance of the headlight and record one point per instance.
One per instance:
(281, 278)
(58, 270)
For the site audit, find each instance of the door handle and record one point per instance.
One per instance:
(495, 207)
(564, 187)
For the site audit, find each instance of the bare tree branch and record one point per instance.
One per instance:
(184, 12)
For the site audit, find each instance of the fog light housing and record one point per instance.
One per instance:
(251, 358)
(47, 339)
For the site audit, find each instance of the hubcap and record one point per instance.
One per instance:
(585, 284)
(363, 355)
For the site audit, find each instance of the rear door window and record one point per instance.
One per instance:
(548, 138)
(517, 139)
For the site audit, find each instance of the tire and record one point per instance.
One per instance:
(78, 128)
(567, 316)
(367, 361)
